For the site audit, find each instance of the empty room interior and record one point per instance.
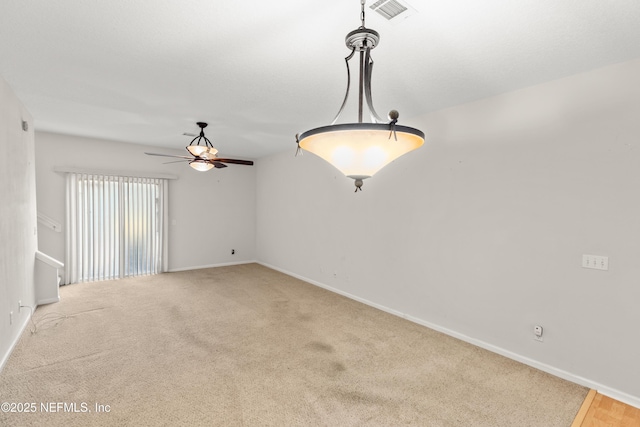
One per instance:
(486, 275)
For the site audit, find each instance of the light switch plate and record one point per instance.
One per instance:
(597, 262)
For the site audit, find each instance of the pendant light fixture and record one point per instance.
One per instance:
(359, 150)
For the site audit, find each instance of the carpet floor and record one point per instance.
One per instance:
(248, 346)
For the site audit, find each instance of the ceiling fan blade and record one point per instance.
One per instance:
(175, 161)
(169, 155)
(234, 161)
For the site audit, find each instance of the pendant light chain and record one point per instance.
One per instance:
(362, 13)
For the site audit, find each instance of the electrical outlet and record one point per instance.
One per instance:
(537, 333)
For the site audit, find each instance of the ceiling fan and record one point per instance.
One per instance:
(203, 157)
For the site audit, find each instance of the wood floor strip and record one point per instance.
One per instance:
(582, 413)
(608, 412)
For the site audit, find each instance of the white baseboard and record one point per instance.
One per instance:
(199, 267)
(23, 326)
(602, 389)
(47, 301)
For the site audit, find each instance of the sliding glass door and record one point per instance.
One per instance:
(114, 227)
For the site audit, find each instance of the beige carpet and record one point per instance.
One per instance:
(249, 346)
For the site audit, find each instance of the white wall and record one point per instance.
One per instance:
(210, 213)
(481, 232)
(18, 241)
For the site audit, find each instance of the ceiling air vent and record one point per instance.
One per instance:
(393, 10)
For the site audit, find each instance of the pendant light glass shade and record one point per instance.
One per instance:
(359, 150)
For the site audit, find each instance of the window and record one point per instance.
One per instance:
(114, 227)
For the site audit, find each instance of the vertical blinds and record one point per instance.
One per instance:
(115, 227)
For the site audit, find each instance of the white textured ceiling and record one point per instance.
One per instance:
(145, 71)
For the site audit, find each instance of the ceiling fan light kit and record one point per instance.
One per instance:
(206, 150)
(359, 150)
